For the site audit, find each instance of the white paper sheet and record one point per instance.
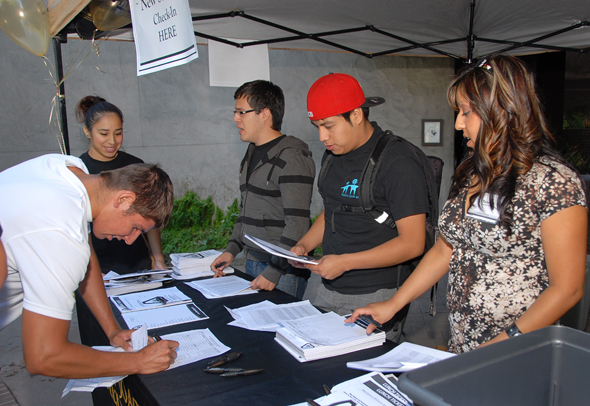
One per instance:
(404, 357)
(222, 287)
(279, 251)
(195, 345)
(149, 300)
(270, 318)
(164, 316)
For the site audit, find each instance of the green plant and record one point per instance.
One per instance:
(197, 224)
(574, 156)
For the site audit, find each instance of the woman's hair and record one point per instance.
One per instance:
(513, 133)
(91, 109)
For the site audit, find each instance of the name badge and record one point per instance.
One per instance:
(482, 210)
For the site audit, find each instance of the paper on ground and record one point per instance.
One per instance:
(148, 300)
(195, 345)
(404, 357)
(215, 288)
(269, 318)
(138, 341)
(164, 316)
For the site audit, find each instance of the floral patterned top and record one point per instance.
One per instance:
(494, 279)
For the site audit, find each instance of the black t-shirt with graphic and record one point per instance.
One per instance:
(399, 189)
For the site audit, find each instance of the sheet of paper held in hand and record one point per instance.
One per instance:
(139, 339)
(268, 317)
(404, 357)
(193, 346)
(281, 252)
(164, 316)
(214, 288)
(373, 389)
(151, 299)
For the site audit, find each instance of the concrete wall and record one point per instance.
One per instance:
(175, 118)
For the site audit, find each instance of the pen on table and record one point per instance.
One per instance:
(241, 373)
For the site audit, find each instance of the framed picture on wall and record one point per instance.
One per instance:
(432, 132)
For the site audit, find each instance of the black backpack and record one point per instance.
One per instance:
(431, 168)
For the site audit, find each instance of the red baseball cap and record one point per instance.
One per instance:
(337, 93)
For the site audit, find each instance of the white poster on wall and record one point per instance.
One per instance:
(230, 66)
(163, 34)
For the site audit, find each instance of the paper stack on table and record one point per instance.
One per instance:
(404, 357)
(373, 389)
(195, 264)
(150, 300)
(215, 288)
(116, 284)
(323, 336)
(267, 316)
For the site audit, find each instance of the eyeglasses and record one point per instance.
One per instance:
(485, 65)
(241, 113)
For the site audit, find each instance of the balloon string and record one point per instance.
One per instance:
(55, 101)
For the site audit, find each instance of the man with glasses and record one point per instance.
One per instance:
(276, 184)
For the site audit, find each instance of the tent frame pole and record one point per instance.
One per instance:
(59, 39)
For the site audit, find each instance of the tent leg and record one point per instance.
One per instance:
(59, 39)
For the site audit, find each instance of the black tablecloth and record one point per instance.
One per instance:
(285, 380)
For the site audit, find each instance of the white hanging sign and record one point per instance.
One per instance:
(231, 67)
(163, 34)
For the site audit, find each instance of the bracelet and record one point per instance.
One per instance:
(513, 330)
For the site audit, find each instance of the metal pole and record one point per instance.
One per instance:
(59, 39)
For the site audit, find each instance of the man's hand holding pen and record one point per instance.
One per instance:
(220, 263)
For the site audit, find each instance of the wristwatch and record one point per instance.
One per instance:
(513, 330)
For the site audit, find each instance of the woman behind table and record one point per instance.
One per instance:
(103, 125)
(522, 267)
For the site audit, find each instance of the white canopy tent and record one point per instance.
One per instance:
(461, 29)
(466, 29)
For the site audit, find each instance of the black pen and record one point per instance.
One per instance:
(157, 338)
(219, 265)
(241, 373)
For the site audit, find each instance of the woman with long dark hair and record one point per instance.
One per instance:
(513, 231)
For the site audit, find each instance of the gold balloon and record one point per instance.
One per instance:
(26, 22)
(109, 15)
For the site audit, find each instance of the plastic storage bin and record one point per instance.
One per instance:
(550, 366)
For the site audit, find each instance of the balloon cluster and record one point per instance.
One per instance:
(109, 15)
(26, 22)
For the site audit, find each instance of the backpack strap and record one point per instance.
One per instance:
(367, 198)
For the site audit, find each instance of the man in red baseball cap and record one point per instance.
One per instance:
(364, 260)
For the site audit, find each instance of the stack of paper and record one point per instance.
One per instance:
(404, 357)
(215, 288)
(150, 300)
(323, 336)
(160, 308)
(373, 389)
(116, 284)
(267, 316)
(194, 264)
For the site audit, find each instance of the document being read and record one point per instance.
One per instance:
(278, 251)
